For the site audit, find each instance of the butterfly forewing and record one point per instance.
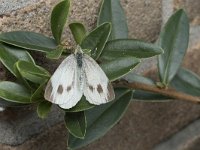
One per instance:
(98, 89)
(63, 87)
(79, 74)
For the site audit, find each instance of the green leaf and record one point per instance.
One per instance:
(145, 96)
(187, 81)
(32, 72)
(29, 40)
(38, 94)
(55, 54)
(111, 11)
(14, 92)
(5, 103)
(79, 32)
(128, 47)
(21, 79)
(174, 40)
(10, 55)
(96, 40)
(119, 67)
(43, 109)
(58, 19)
(82, 105)
(132, 77)
(102, 118)
(76, 123)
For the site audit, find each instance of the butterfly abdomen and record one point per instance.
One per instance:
(79, 60)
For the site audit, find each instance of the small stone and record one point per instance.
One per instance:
(144, 18)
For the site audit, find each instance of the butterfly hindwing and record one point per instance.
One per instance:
(63, 87)
(78, 74)
(98, 89)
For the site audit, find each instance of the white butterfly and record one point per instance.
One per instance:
(78, 75)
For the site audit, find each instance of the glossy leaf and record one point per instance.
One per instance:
(38, 94)
(187, 81)
(102, 118)
(58, 19)
(132, 77)
(43, 109)
(10, 55)
(82, 105)
(174, 41)
(5, 103)
(29, 40)
(111, 11)
(128, 47)
(21, 79)
(119, 67)
(14, 92)
(76, 123)
(55, 54)
(145, 96)
(79, 32)
(96, 40)
(32, 72)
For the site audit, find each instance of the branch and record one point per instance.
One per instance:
(167, 92)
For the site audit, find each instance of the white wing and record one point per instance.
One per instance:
(98, 89)
(63, 88)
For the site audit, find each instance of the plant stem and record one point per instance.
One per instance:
(167, 92)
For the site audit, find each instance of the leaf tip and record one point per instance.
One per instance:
(162, 51)
(181, 12)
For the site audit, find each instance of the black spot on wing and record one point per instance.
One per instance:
(69, 88)
(91, 88)
(60, 89)
(99, 89)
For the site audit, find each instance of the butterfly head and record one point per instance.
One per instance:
(79, 55)
(78, 50)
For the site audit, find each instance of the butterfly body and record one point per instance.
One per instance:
(78, 75)
(79, 58)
